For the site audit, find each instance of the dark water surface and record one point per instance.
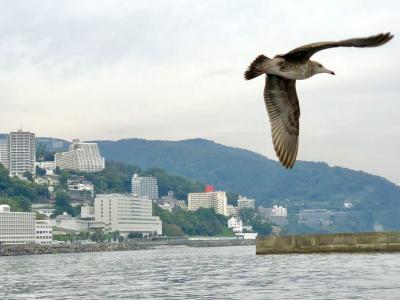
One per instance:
(200, 273)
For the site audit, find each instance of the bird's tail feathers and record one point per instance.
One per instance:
(256, 68)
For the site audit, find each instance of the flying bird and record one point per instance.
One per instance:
(280, 95)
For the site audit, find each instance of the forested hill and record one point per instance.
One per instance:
(308, 185)
(313, 183)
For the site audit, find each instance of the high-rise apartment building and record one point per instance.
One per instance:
(21, 151)
(81, 156)
(216, 200)
(244, 202)
(16, 227)
(126, 213)
(144, 187)
(4, 153)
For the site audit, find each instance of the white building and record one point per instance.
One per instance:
(67, 222)
(216, 200)
(40, 180)
(278, 211)
(83, 157)
(16, 227)
(48, 212)
(165, 205)
(21, 151)
(247, 228)
(87, 212)
(44, 232)
(348, 205)
(4, 153)
(48, 166)
(144, 186)
(181, 204)
(247, 235)
(232, 210)
(126, 213)
(78, 183)
(235, 224)
(244, 202)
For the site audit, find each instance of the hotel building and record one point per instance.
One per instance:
(21, 152)
(144, 187)
(44, 231)
(16, 227)
(83, 157)
(126, 213)
(244, 202)
(216, 200)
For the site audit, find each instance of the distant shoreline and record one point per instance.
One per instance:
(38, 249)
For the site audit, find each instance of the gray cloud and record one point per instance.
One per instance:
(173, 70)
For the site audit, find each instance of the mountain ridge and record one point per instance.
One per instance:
(308, 185)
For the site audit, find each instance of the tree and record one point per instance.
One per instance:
(63, 178)
(19, 203)
(40, 216)
(204, 221)
(232, 198)
(135, 235)
(247, 215)
(84, 235)
(98, 236)
(261, 226)
(116, 235)
(40, 171)
(172, 230)
(42, 154)
(28, 175)
(62, 203)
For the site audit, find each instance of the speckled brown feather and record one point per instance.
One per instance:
(284, 113)
(305, 52)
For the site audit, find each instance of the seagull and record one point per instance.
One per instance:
(280, 95)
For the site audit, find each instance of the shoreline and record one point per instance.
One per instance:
(39, 249)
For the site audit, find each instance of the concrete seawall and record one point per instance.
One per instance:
(338, 242)
(34, 249)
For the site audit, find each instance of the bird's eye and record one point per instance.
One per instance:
(319, 65)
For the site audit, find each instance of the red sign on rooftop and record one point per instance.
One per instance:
(209, 188)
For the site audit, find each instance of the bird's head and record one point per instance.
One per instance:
(319, 68)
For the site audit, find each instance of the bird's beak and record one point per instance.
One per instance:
(329, 72)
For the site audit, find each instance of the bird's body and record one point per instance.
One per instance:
(289, 70)
(280, 88)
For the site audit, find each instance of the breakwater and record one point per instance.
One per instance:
(35, 249)
(338, 242)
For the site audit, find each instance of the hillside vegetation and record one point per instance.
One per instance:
(309, 185)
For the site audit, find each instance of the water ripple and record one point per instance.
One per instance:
(200, 273)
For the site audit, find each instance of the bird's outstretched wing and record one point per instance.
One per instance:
(305, 52)
(284, 113)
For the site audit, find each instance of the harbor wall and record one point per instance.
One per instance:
(338, 242)
(33, 249)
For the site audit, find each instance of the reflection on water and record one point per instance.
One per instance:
(200, 273)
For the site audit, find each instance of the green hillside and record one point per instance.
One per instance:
(309, 185)
(254, 175)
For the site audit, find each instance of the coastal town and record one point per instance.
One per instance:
(130, 215)
(100, 216)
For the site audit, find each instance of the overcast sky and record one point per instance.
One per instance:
(174, 70)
